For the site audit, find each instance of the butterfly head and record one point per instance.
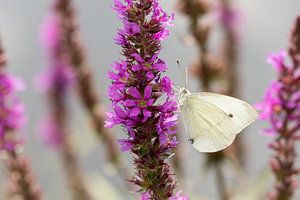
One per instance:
(183, 96)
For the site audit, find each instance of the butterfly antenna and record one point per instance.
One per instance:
(186, 77)
(180, 68)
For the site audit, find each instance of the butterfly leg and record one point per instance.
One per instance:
(191, 140)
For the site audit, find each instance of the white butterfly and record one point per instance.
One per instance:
(213, 120)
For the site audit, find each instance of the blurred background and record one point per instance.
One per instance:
(265, 28)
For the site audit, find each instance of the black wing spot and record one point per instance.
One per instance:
(230, 115)
(191, 140)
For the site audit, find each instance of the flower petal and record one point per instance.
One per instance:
(147, 114)
(137, 57)
(126, 144)
(135, 112)
(147, 92)
(130, 102)
(134, 92)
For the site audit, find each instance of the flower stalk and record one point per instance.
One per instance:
(142, 98)
(281, 107)
(21, 178)
(76, 55)
(59, 125)
(22, 184)
(56, 83)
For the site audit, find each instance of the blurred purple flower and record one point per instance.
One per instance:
(11, 121)
(11, 111)
(281, 107)
(230, 18)
(50, 34)
(145, 196)
(50, 132)
(59, 76)
(55, 81)
(278, 97)
(10, 84)
(179, 196)
(277, 60)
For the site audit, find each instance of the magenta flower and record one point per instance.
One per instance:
(142, 100)
(278, 60)
(55, 80)
(50, 35)
(281, 107)
(145, 196)
(21, 179)
(230, 18)
(166, 85)
(11, 111)
(179, 196)
(165, 127)
(57, 75)
(126, 144)
(276, 98)
(50, 133)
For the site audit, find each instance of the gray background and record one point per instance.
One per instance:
(265, 29)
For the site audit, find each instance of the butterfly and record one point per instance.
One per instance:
(212, 120)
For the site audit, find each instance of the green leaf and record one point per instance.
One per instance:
(143, 150)
(150, 176)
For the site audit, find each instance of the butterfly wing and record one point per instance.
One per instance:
(213, 120)
(241, 113)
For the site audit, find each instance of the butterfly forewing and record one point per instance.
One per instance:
(242, 113)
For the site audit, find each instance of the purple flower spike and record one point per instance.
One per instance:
(142, 99)
(21, 181)
(55, 81)
(281, 107)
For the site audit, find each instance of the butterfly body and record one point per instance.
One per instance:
(213, 120)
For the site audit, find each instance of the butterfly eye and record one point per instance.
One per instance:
(230, 115)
